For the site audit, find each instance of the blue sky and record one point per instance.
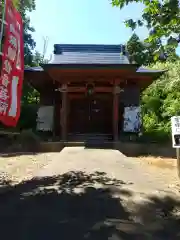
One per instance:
(82, 21)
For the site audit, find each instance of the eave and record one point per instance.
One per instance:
(53, 74)
(90, 66)
(63, 73)
(38, 78)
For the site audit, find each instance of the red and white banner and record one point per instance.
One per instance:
(12, 72)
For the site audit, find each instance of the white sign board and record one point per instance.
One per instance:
(45, 118)
(132, 119)
(175, 125)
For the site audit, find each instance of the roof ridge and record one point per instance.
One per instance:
(60, 48)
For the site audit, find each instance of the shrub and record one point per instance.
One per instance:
(27, 140)
(28, 117)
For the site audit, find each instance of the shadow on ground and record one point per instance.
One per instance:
(80, 206)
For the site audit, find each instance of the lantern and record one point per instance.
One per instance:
(89, 89)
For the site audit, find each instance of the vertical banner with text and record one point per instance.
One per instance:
(12, 72)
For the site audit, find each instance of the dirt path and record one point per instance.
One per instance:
(145, 178)
(17, 168)
(92, 194)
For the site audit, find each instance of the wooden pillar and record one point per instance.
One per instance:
(64, 112)
(54, 109)
(116, 112)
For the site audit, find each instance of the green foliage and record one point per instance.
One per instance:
(28, 117)
(143, 53)
(162, 18)
(38, 59)
(161, 100)
(30, 95)
(25, 6)
(139, 52)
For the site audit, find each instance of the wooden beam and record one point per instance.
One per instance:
(104, 89)
(64, 115)
(87, 75)
(75, 96)
(76, 89)
(96, 89)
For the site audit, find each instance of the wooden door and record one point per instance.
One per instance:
(91, 114)
(78, 115)
(101, 114)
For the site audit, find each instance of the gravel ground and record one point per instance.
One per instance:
(147, 174)
(89, 194)
(23, 167)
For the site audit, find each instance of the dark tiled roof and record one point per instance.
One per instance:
(93, 48)
(90, 58)
(89, 54)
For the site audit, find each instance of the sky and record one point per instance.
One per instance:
(82, 22)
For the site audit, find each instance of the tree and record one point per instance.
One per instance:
(171, 54)
(139, 52)
(142, 53)
(162, 18)
(161, 100)
(29, 44)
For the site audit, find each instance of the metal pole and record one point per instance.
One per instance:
(178, 161)
(2, 25)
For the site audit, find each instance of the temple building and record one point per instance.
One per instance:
(89, 90)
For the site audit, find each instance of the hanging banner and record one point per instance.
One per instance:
(2, 22)
(11, 78)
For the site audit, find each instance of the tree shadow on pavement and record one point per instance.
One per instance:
(77, 205)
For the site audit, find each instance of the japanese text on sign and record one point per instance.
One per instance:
(9, 60)
(175, 125)
(12, 66)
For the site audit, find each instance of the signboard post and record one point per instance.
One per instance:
(175, 125)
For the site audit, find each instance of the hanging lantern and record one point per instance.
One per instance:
(89, 88)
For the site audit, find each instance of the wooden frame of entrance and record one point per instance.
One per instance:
(71, 92)
(88, 73)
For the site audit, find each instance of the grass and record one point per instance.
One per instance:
(159, 162)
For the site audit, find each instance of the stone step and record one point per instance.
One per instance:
(90, 137)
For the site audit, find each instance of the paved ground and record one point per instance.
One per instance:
(92, 194)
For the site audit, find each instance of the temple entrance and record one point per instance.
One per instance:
(91, 114)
